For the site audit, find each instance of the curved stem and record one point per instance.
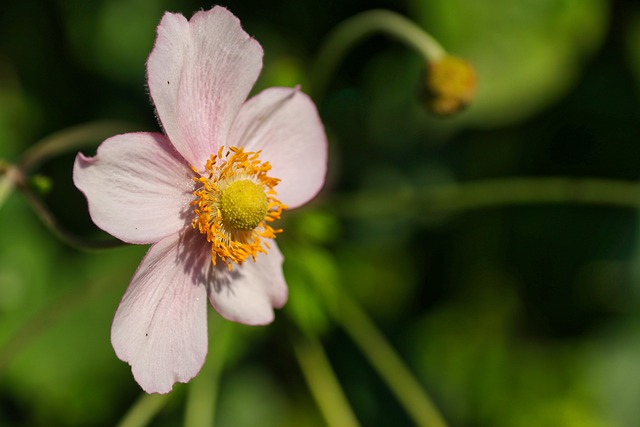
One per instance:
(73, 138)
(57, 229)
(493, 193)
(356, 29)
(323, 383)
(9, 176)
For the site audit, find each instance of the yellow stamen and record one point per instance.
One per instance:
(234, 204)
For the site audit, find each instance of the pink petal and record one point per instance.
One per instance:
(250, 291)
(200, 72)
(284, 124)
(160, 327)
(138, 187)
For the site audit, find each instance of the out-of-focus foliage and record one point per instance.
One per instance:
(89, 27)
(509, 316)
(633, 43)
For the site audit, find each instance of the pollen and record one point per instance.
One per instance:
(235, 203)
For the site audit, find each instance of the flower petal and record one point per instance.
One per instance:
(160, 327)
(284, 124)
(249, 292)
(200, 72)
(138, 187)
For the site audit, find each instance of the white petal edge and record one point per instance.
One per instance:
(137, 186)
(200, 72)
(249, 292)
(160, 327)
(284, 124)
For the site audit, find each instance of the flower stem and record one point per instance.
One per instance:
(452, 198)
(359, 27)
(70, 139)
(203, 390)
(388, 363)
(8, 177)
(49, 219)
(143, 411)
(493, 193)
(323, 383)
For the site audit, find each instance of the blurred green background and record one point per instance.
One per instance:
(511, 316)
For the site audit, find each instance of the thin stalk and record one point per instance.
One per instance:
(49, 219)
(203, 391)
(388, 364)
(356, 29)
(71, 139)
(9, 176)
(142, 412)
(492, 193)
(323, 383)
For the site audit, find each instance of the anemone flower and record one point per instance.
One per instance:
(205, 194)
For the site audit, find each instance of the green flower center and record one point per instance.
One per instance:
(243, 204)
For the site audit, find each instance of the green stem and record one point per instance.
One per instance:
(388, 363)
(73, 138)
(492, 193)
(356, 29)
(9, 176)
(203, 390)
(323, 383)
(49, 219)
(143, 411)
(452, 198)
(70, 139)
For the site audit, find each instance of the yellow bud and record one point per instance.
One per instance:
(450, 85)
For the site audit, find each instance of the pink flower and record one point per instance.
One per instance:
(205, 194)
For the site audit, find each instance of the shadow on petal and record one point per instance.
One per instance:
(194, 254)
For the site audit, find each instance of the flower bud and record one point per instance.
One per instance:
(450, 85)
